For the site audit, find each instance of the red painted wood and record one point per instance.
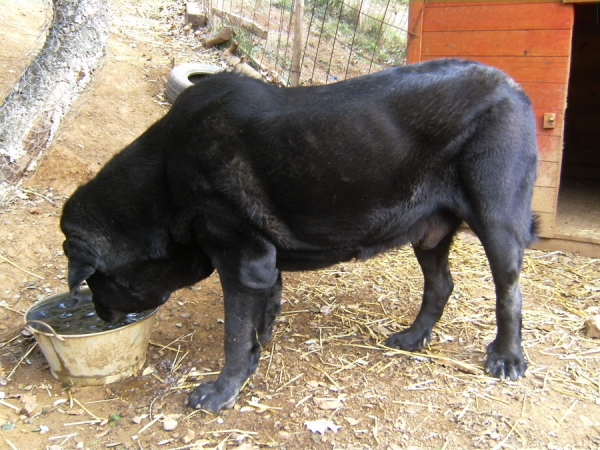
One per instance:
(525, 69)
(531, 42)
(546, 95)
(515, 3)
(550, 147)
(504, 16)
(497, 43)
(548, 174)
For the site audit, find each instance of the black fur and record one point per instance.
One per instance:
(251, 180)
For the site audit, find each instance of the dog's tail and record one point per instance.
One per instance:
(534, 229)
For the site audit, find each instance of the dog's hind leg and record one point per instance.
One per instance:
(437, 287)
(505, 255)
(498, 173)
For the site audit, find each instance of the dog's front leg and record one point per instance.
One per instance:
(252, 294)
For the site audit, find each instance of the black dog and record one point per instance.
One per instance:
(251, 179)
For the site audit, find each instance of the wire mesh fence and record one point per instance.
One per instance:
(340, 39)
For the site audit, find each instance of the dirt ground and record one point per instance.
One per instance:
(326, 360)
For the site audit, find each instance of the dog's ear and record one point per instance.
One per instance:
(82, 264)
(79, 271)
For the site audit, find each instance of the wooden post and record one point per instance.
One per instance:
(297, 44)
(415, 30)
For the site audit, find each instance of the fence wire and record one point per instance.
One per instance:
(341, 39)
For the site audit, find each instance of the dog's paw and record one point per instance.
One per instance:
(209, 397)
(505, 365)
(410, 339)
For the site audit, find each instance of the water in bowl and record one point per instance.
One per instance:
(66, 317)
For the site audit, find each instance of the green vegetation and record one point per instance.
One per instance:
(366, 26)
(368, 32)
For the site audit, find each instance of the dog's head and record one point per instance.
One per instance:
(119, 241)
(137, 285)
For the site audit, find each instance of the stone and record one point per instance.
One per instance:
(189, 437)
(592, 327)
(169, 424)
(194, 14)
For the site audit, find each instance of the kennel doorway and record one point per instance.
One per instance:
(578, 210)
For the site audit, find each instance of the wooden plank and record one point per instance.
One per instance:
(544, 199)
(587, 249)
(497, 43)
(242, 22)
(524, 69)
(446, 3)
(505, 16)
(546, 95)
(550, 147)
(548, 174)
(415, 31)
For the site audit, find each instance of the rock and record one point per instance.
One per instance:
(169, 424)
(138, 419)
(189, 437)
(246, 69)
(592, 327)
(29, 404)
(220, 37)
(352, 421)
(195, 15)
(232, 60)
(25, 332)
(328, 403)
